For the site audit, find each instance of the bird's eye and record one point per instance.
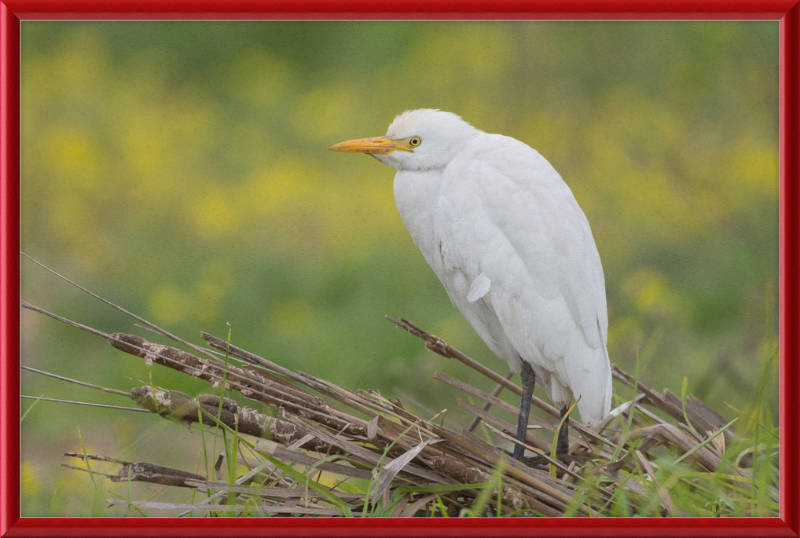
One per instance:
(415, 141)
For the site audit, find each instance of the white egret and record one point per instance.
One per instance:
(513, 249)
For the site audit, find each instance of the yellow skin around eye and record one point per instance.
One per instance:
(408, 144)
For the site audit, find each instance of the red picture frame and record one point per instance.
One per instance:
(13, 11)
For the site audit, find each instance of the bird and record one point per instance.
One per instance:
(507, 239)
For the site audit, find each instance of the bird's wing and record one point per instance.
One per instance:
(516, 255)
(530, 220)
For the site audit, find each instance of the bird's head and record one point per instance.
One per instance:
(423, 139)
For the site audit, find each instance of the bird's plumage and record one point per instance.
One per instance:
(513, 249)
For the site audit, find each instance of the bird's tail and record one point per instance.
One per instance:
(590, 380)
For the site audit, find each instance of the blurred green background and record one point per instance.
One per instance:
(180, 170)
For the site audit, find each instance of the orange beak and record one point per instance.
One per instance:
(380, 145)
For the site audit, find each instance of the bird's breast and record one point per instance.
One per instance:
(416, 195)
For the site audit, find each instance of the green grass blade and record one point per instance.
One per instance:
(304, 479)
(704, 443)
(479, 506)
(28, 410)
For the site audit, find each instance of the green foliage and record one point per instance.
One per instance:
(180, 169)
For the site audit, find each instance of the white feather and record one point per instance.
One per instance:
(480, 287)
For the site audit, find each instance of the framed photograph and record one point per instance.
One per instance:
(188, 228)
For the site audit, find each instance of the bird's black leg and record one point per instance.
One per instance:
(562, 445)
(528, 382)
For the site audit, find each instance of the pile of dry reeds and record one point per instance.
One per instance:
(413, 466)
